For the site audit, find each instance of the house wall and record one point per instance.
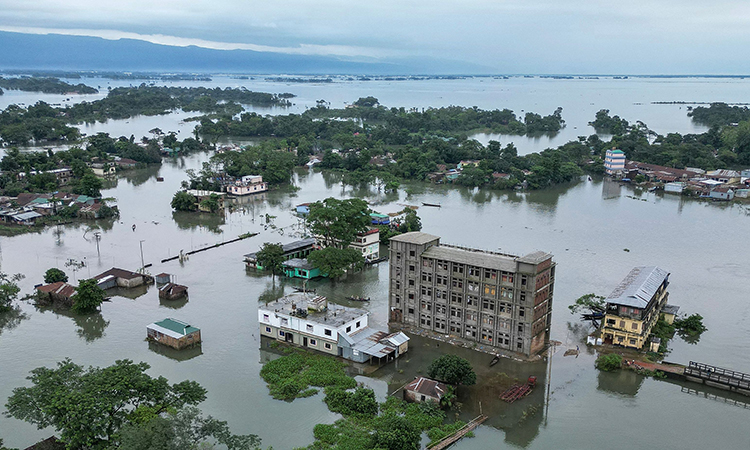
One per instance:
(314, 342)
(185, 341)
(129, 283)
(416, 397)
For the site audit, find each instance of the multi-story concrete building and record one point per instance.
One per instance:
(614, 161)
(494, 299)
(634, 307)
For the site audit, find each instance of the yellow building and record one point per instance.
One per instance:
(634, 307)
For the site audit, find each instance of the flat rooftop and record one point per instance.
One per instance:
(334, 316)
(415, 237)
(471, 257)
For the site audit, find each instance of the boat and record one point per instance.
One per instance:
(159, 179)
(518, 391)
(358, 299)
(436, 205)
(495, 360)
(299, 289)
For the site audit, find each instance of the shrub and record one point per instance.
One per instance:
(609, 363)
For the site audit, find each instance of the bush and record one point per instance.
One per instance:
(691, 325)
(609, 363)
(361, 402)
(452, 369)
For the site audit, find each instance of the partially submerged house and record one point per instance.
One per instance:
(250, 184)
(115, 277)
(634, 306)
(424, 390)
(309, 321)
(300, 268)
(174, 333)
(59, 293)
(172, 291)
(368, 244)
(296, 249)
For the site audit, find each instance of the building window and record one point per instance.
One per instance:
(520, 328)
(427, 277)
(412, 268)
(398, 285)
(471, 315)
(472, 286)
(457, 284)
(411, 310)
(520, 345)
(284, 321)
(506, 293)
(411, 283)
(309, 328)
(266, 317)
(427, 263)
(313, 342)
(632, 342)
(281, 333)
(507, 277)
(635, 325)
(427, 292)
(622, 324)
(455, 312)
(458, 268)
(357, 324)
(521, 312)
(456, 298)
(474, 272)
(471, 300)
(441, 281)
(488, 305)
(349, 328)
(327, 332)
(411, 296)
(268, 329)
(327, 346)
(524, 280)
(490, 274)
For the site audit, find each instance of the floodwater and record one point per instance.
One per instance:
(631, 99)
(587, 225)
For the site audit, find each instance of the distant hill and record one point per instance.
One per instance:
(62, 52)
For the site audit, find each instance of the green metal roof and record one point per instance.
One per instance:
(618, 151)
(177, 326)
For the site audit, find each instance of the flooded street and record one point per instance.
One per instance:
(586, 226)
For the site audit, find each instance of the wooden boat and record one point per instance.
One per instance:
(358, 299)
(159, 179)
(494, 361)
(299, 289)
(436, 205)
(518, 391)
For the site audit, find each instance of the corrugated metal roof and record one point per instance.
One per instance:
(427, 387)
(27, 215)
(397, 338)
(638, 287)
(177, 328)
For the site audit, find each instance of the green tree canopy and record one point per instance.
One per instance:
(54, 275)
(334, 262)
(184, 429)
(9, 290)
(452, 369)
(89, 406)
(89, 296)
(182, 201)
(393, 432)
(89, 185)
(271, 256)
(337, 222)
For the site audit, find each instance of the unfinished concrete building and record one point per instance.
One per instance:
(491, 298)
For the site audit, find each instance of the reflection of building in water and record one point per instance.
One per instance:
(177, 355)
(610, 189)
(623, 382)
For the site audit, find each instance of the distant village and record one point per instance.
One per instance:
(719, 185)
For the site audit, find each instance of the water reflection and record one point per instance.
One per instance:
(174, 304)
(12, 318)
(622, 382)
(177, 355)
(131, 293)
(89, 327)
(193, 220)
(139, 176)
(610, 189)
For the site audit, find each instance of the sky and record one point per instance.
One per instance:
(504, 36)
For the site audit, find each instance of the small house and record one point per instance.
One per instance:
(174, 333)
(122, 278)
(300, 268)
(296, 249)
(380, 219)
(669, 313)
(721, 193)
(303, 209)
(172, 291)
(674, 187)
(59, 293)
(424, 390)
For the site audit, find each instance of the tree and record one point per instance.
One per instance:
(211, 203)
(589, 302)
(337, 222)
(368, 102)
(89, 296)
(271, 257)
(452, 369)
(88, 407)
(89, 185)
(9, 290)
(54, 275)
(182, 201)
(334, 262)
(394, 432)
(184, 429)
(691, 325)
(409, 222)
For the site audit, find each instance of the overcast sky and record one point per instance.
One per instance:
(507, 36)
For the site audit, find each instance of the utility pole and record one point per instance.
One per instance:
(98, 236)
(143, 264)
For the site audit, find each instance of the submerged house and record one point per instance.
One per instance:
(634, 306)
(172, 291)
(309, 321)
(174, 333)
(424, 390)
(250, 184)
(59, 293)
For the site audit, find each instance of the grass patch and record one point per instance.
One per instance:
(293, 375)
(609, 363)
